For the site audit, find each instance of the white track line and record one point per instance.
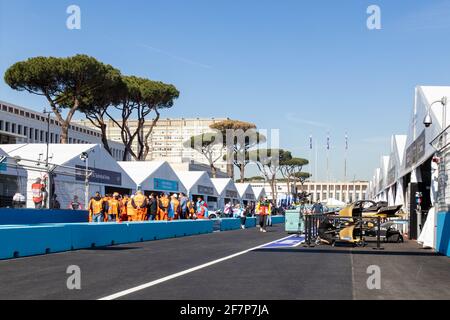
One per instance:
(182, 273)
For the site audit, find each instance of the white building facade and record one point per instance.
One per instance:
(20, 125)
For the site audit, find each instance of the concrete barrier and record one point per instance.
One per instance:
(443, 233)
(39, 216)
(278, 219)
(22, 240)
(230, 224)
(87, 235)
(250, 222)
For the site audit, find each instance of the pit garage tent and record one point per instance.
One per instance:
(69, 170)
(418, 142)
(227, 191)
(13, 178)
(153, 176)
(198, 183)
(245, 192)
(259, 192)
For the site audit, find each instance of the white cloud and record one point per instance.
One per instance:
(175, 57)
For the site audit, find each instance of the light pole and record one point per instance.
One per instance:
(49, 189)
(427, 121)
(84, 156)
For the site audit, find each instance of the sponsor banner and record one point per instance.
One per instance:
(231, 194)
(165, 185)
(205, 190)
(249, 196)
(415, 151)
(99, 176)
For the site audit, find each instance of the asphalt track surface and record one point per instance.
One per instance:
(407, 271)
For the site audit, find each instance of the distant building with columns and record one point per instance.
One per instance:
(321, 191)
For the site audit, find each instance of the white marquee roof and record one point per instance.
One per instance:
(195, 181)
(144, 174)
(245, 189)
(224, 184)
(259, 192)
(69, 155)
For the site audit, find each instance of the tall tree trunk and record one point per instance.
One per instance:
(213, 170)
(104, 138)
(288, 185)
(147, 135)
(274, 191)
(242, 171)
(64, 132)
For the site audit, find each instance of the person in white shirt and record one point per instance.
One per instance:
(19, 200)
(238, 212)
(228, 210)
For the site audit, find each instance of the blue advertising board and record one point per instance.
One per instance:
(100, 176)
(3, 166)
(165, 185)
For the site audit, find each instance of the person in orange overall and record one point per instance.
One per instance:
(96, 208)
(106, 199)
(139, 204)
(114, 206)
(38, 196)
(123, 210)
(191, 210)
(174, 206)
(164, 203)
(131, 212)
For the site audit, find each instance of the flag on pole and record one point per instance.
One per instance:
(310, 142)
(328, 141)
(346, 141)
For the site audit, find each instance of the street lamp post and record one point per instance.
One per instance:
(49, 191)
(85, 157)
(428, 122)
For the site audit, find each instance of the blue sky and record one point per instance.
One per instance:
(305, 67)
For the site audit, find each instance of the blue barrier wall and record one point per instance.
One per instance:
(26, 240)
(250, 222)
(35, 216)
(21, 241)
(230, 224)
(443, 233)
(277, 219)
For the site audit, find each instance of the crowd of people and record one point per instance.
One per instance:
(164, 207)
(139, 207)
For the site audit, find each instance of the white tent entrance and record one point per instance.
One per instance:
(199, 185)
(227, 190)
(153, 177)
(246, 193)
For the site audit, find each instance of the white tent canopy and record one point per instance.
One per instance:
(331, 202)
(198, 183)
(70, 169)
(419, 137)
(246, 192)
(153, 176)
(14, 178)
(260, 192)
(226, 189)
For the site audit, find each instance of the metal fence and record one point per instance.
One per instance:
(313, 221)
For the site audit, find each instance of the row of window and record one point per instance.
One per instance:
(38, 117)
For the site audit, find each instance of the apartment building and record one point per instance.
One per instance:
(22, 125)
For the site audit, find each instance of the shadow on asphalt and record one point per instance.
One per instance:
(356, 251)
(112, 248)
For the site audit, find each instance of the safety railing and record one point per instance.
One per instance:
(313, 221)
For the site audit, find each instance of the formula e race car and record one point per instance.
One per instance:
(356, 221)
